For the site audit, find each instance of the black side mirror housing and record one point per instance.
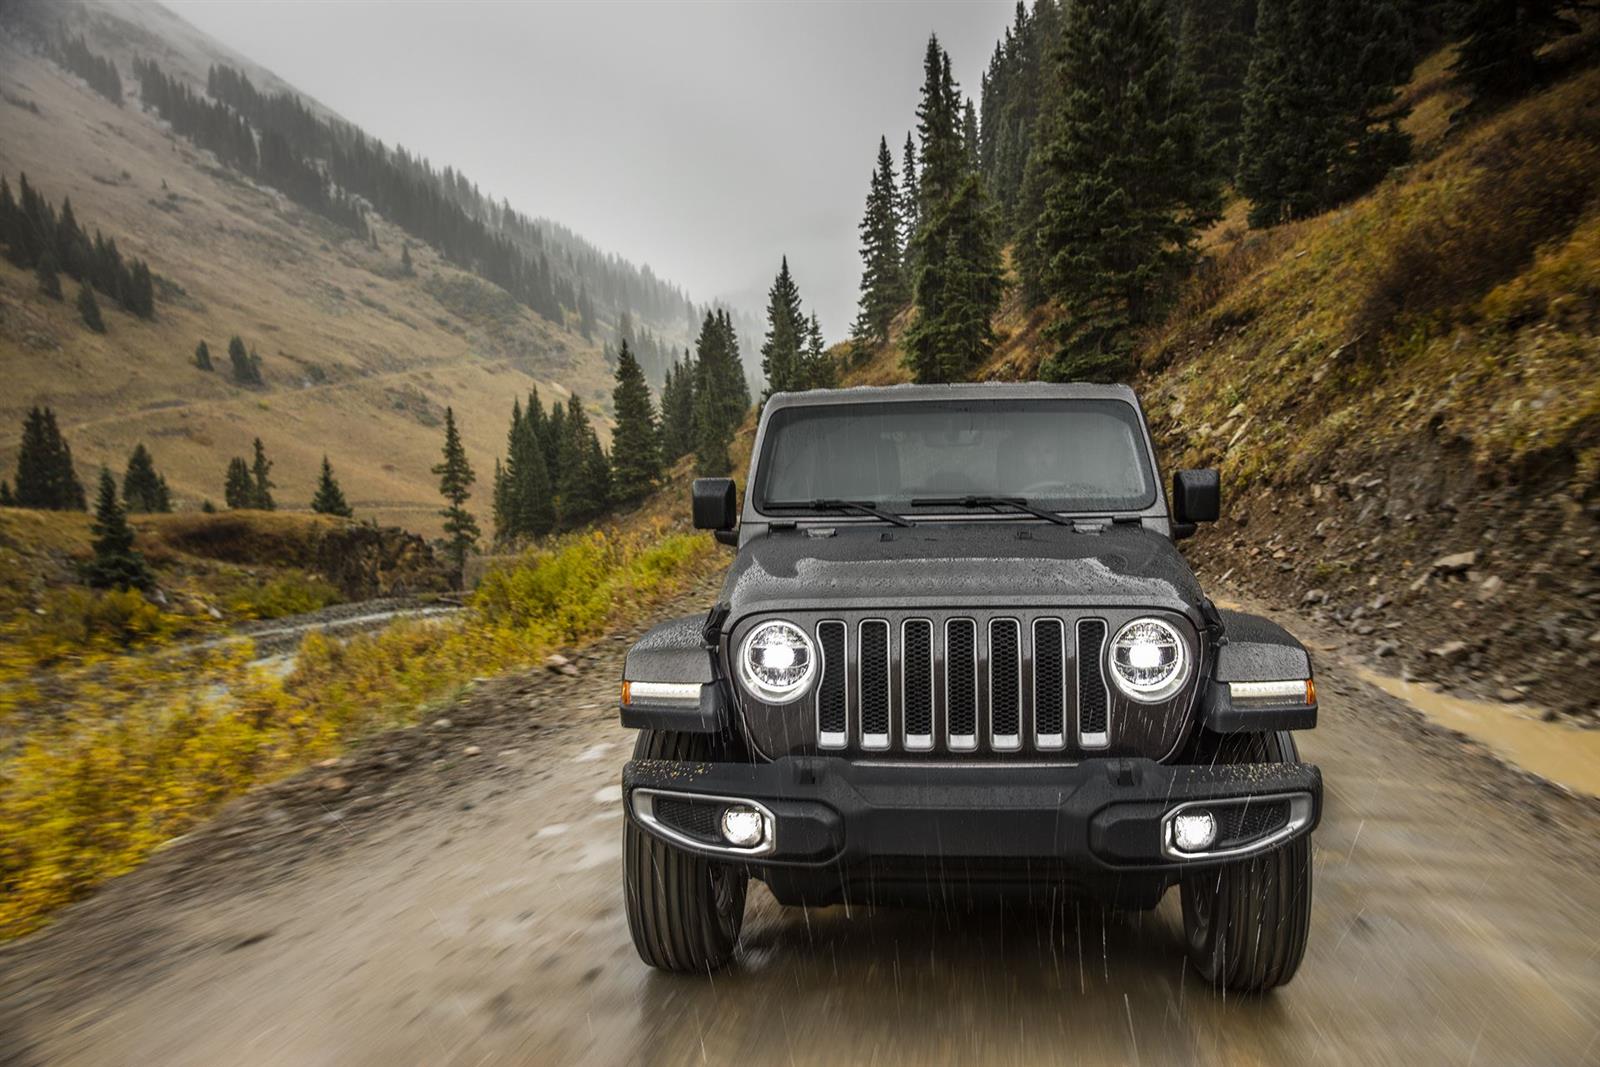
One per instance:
(716, 506)
(1196, 498)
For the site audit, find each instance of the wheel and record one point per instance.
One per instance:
(1246, 923)
(684, 911)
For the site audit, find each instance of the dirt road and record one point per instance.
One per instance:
(423, 904)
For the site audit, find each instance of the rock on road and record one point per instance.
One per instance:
(450, 895)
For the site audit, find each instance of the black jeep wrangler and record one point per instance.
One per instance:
(958, 651)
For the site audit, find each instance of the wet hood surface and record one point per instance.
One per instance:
(961, 564)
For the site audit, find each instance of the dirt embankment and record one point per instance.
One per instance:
(362, 560)
(1439, 571)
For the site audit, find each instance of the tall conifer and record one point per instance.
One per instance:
(455, 485)
(781, 352)
(636, 442)
(329, 498)
(1321, 122)
(238, 491)
(115, 563)
(46, 477)
(1125, 192)
(144, 490)
(883, 286)
(261, 483)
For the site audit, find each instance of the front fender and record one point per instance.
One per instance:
(670, 680)
(1255, 650)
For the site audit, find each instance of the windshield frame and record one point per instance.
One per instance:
(1153, 506)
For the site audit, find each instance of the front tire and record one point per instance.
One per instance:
(684, 911)
(1246, 923)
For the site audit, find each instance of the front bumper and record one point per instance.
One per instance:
(1099, 816)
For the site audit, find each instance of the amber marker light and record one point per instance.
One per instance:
(627, 691)
(1311, 691)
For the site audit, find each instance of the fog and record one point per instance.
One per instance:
(705, 139)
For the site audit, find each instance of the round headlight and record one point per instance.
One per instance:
(1149, 660)
(777, 662)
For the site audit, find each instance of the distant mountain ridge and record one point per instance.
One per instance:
(363, 339)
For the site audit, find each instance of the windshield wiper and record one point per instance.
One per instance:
(1017, 502)
(860, 507)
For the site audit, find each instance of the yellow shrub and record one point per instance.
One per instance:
(139, 749)
(290, 594)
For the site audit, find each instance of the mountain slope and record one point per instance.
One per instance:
(1403, 396)
(359, 358)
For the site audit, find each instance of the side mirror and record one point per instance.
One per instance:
(716, 505)
(1196, 498)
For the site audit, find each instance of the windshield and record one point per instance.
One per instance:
(1063, 455)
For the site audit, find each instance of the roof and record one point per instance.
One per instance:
(862, 394)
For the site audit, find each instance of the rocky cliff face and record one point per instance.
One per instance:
(362, 560)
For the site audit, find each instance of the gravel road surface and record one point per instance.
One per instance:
(450, 894)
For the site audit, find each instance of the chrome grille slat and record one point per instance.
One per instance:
(1093, 700)
(833, 722)
(1005, 685)
(872, 682)
(961, 684)
(916, 683)
(1049, 684)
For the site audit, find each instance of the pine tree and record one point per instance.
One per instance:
(202, 356)
(89, 309)
(530, 497)
(1498, 59)
(455, 485)
(958, 284)
(1212, 36)
(405, 260)
(583, 484)
(261, 483)
(329, 499)
(115, 563)
(49, 281)
(1321, 122)
(237, 489)
(7, 500)
(677, 409)
(46, 477)
(942, 156)
(1126, 190)
(143, 490)
(958, 290)
(969, 134)
(818, 371)
(780, 354)
(910, 196)
(883, 284)
(636, 442)
(721, 395)
(246, 364)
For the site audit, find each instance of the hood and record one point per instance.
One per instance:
(987, 564)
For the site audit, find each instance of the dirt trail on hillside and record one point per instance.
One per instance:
(422, 904)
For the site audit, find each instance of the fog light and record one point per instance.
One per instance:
(742, 827)
(1192, 831)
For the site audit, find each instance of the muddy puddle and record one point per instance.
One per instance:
(1514, 732)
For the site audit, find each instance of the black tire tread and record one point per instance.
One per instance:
(671, 909)
(1262, 913)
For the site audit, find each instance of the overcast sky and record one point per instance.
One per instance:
(706, 139)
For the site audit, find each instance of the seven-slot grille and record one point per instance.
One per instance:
(992, 693)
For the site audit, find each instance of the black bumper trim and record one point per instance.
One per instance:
(1099, 815)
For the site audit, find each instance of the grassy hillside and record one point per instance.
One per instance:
(1412, 377)
(359, 360)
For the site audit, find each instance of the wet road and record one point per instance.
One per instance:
(1456, 921)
